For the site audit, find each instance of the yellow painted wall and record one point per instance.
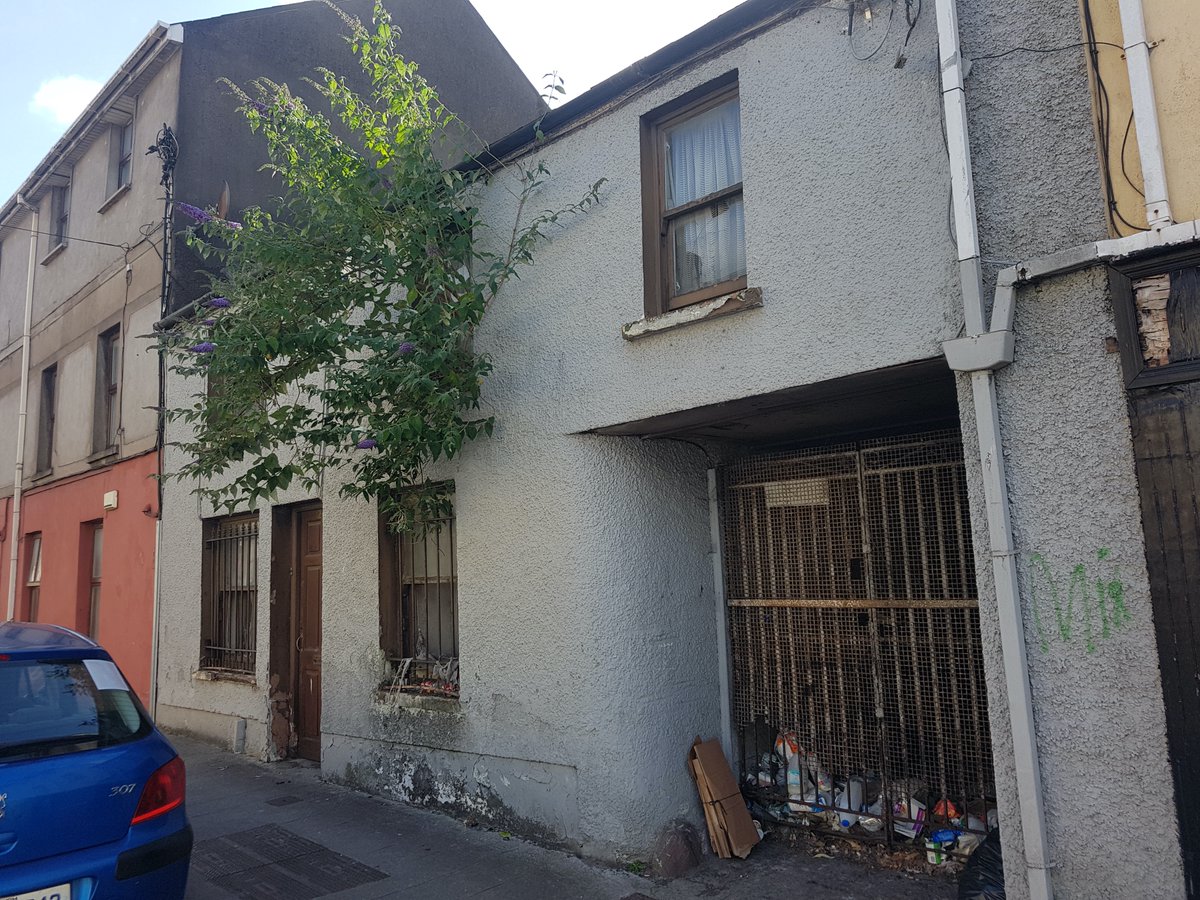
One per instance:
(1175, 66)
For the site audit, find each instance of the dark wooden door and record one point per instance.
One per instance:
(308, 632)
(1166, 427)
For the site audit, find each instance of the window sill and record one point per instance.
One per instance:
(101, 457)
(113, 198)
(54, 254)
(407, 700)
(223, 675)
(39, 477)
(738, 301)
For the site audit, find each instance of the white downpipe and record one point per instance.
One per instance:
(154, 618)
(22, 414)
(1145, 113)
(987, 416)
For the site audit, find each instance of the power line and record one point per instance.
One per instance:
(68, 238)
(1059, 49)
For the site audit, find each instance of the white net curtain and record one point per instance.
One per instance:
(704, 155)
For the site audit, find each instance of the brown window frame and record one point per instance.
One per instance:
(229, 612)
(657, 253)
(47, 414)
(95, 562)
(398, 639)
(35, 560)
(107, 417)
(1122, 276)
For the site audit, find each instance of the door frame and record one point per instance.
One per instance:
(284, 629)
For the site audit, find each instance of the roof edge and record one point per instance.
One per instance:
(159, 40)
(726, 28)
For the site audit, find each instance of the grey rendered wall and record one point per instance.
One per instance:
(1097, 695)
(587, 615)
(86, 289)
(1064, 422)
(589, 657)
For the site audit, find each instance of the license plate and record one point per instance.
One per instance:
(58, 892)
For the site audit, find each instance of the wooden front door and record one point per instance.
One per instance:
(307, 661)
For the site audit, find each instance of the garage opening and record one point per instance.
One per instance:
(859, 700)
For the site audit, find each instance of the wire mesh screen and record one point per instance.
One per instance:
(229, 589)
(858, 682)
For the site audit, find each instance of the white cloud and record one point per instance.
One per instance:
(62, 99)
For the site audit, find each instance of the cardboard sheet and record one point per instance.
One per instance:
(731, 831)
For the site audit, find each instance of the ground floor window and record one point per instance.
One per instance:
(229, 593)
(418, 607)
(33, 575)
(97, 544)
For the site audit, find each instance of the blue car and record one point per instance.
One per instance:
(91, 793)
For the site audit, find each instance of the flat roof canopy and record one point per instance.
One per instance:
(914, 396)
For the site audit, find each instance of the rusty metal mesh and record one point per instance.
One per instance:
(854, 629)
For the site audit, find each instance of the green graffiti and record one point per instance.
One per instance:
(1099, 602)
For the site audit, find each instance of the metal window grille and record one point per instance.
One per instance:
(420, 609)
(854, 632)
(229, 593)
(33, 575)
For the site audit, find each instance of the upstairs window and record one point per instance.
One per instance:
(694, 225)
(46, 417)
(107, 418)
(122, 156)
(60, 215)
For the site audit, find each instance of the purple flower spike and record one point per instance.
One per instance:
(203, 347)
(218, 303)
(260, 108)
(194, 212)
(236, 226)
(367, 444)
(406, 348)
(209, 322)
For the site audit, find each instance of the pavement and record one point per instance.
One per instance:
(276, 831)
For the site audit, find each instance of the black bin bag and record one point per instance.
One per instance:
(983, 876)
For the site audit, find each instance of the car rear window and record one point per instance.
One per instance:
(50, 707)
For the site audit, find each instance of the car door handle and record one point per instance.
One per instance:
(7, 841)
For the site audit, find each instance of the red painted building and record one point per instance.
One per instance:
(89, 567)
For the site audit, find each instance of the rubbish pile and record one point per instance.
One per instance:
(788, 784)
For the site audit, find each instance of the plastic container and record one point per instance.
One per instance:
(849, 802)
(872, 820)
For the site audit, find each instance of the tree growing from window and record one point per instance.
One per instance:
(339, 330)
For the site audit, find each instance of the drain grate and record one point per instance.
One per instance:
(272, 862)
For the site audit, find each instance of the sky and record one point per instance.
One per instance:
(55, 54)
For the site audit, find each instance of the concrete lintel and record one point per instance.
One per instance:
(750, 298)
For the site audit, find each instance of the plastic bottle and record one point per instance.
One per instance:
(849, 802)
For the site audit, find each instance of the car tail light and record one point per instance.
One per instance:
(162, 793)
